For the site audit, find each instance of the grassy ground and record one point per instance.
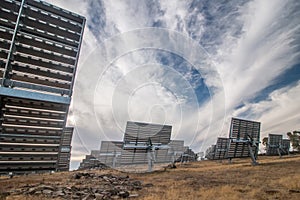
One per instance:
(273, 178)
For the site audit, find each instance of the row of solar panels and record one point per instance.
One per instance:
(44, 52)
(142, 142)
(276, 144)
(33, 131)
(243, 140)
(13, 155)
(137, 155)
(113, 153)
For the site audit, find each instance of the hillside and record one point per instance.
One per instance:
(273, 178)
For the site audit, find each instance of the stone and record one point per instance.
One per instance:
(148, 185)
(124, 194)
(113, 191)
(88, 197)
(272, 191)
(133, 196)
(137, 183)
(98, 196)
(31, 190)
(86, 186)
(38, 192)
(59, 193)
(294, 191)
(77, 176)
(75, 197)
(46, 191)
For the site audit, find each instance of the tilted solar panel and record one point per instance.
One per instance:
(210, 152)
(39, 50)
(221, 148)
(137, 132)
(243, 134)
(274, 144)
(285, 146)
(110, 150)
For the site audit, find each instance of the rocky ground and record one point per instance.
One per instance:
(79, 185)
(273, 178)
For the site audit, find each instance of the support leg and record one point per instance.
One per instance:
(252, 155)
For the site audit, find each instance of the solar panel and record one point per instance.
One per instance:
(109, 152)
(176, 150)
(285, 146)
(274, 144)
(35, 128)
(39, 50)
(137, 132)
(143, 143)
(188, 155)
(210, 152)
(65, 149)
(221, 148)
(96, 154)
(146, 143)
(244, 139)
(46, 46)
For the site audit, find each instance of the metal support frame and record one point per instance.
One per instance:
(12, 44)
(115, 155)
(151, 158)
(150, 151)
(174, 153)
(254, 162)
(278, 151)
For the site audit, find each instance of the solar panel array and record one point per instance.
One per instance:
(65, 149)
(188, 155)
(285, 146)
(241, 133)
(39, 49)
(135, 148)
(221, 148)
(210, 152)
(39, 46)
(137, 132)
(109, 150)
(140, 135)
(277, 145)
(274, 143)
(176, 149)
(243, 141)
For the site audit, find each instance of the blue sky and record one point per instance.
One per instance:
(245, 64)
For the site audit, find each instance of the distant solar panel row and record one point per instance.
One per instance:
(210, 152)
(277, 145)
(135, 148)
(221, 148)
(243, 140)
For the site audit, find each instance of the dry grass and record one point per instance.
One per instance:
(274, 178)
